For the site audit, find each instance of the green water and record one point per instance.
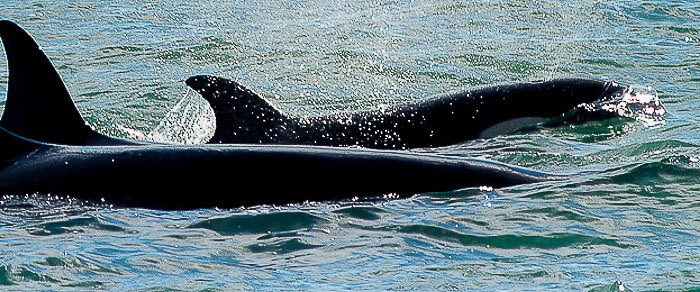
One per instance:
(635, 220)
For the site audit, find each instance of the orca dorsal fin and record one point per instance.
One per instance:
(38, 104)
(242, 115)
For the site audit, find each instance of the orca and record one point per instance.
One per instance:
(243, 116)
(47, 148)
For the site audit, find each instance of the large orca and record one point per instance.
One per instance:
(243, 116)
(46, 147)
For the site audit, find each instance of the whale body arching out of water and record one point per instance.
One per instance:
(243, 116)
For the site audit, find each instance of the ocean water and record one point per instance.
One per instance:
(636, 219)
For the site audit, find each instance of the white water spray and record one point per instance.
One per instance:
(190, 121)
(638, 102)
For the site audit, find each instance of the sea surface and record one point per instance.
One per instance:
(635, 220)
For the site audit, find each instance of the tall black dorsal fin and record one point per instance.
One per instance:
(38, 105)
(242, 115)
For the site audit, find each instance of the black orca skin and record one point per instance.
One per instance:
(189, 177)
(46, 147)
(242, 116)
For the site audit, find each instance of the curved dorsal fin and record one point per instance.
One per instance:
(242, 116)
(38, 105)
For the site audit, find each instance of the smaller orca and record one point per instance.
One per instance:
(46, 147)
(243, 116)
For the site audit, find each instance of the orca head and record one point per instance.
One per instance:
(242, 115)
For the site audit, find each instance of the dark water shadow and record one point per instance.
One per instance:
(260, 223)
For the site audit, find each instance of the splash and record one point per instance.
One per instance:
(637, 102)
(190, 121)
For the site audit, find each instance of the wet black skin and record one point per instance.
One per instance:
(225, 176)
(46, 147)
(242, 116)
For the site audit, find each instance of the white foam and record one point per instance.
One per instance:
(638, 102)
